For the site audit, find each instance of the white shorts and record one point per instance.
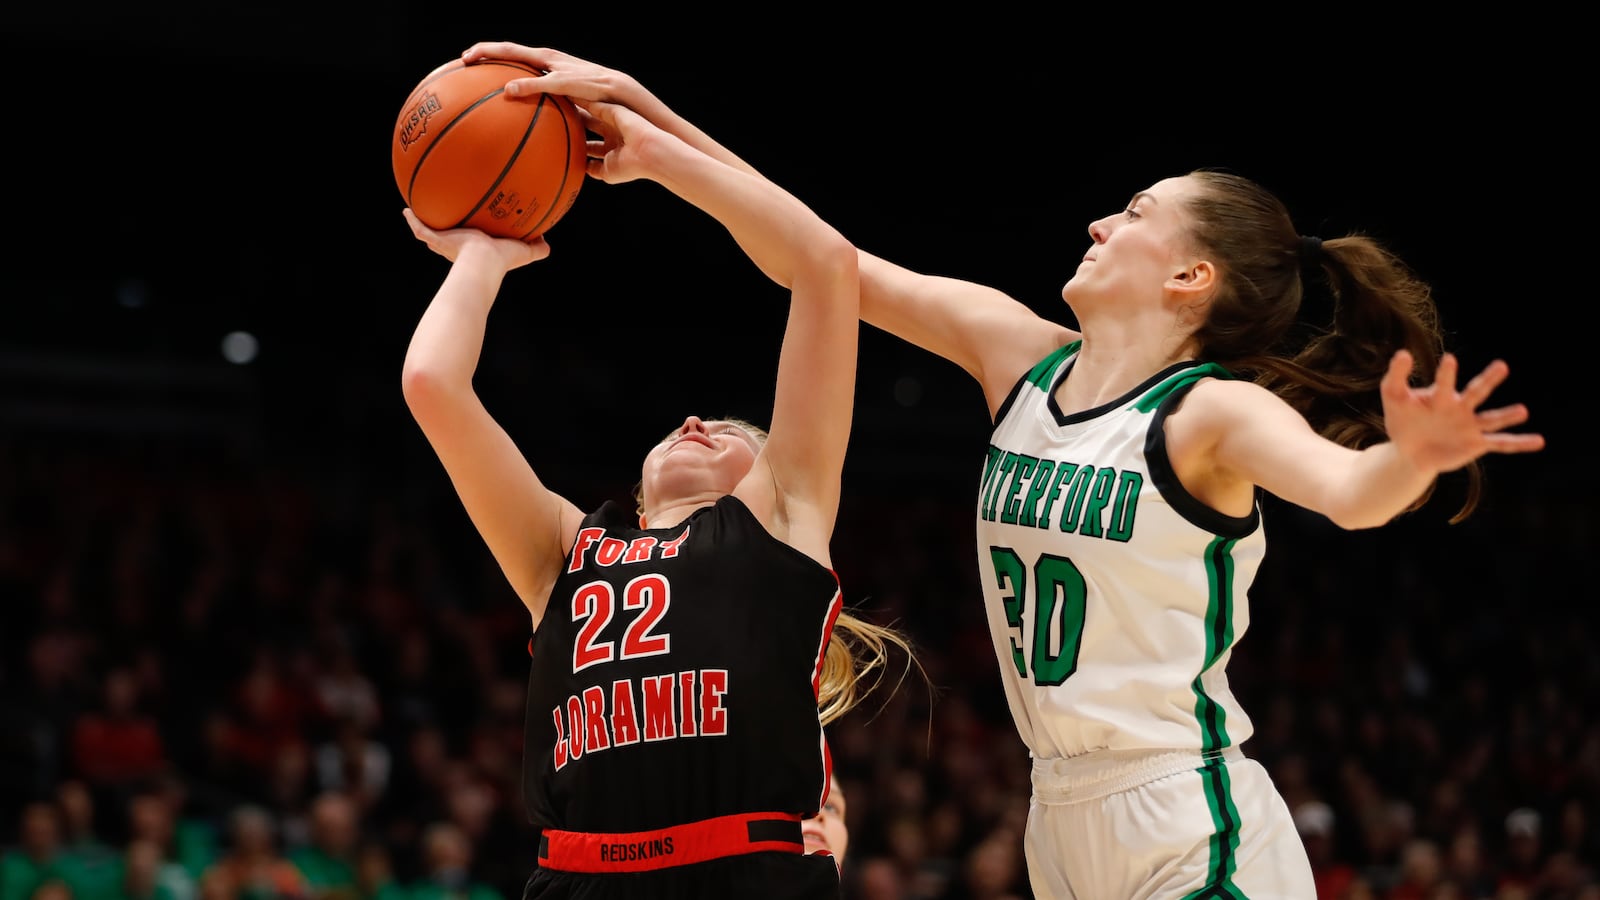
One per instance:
(1162, 825)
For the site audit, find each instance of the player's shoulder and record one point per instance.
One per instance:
(1216, 389)
(1217, 402)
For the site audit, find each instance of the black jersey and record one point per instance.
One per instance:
(674, 676)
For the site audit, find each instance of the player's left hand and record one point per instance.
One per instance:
(562, 73)
(619, 155)
(1440, 428)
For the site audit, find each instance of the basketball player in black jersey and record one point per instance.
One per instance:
(686, 652)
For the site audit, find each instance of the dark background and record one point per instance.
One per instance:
(187, 172)
(177, 174)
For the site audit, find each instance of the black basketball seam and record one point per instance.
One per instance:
(510, 160)
(561, 189)
(411, 183)
(417, 169)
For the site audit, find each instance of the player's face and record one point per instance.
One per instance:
(1134, 250)
(828, 830)
(699, 457)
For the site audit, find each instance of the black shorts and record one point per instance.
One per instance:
(749, 876)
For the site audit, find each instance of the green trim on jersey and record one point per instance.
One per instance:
(1225, 839)
(1219, 637)
(1044, 372)
(1153, 397)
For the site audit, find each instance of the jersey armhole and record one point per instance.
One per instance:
(1165, 477)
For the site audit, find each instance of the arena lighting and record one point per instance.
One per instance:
(132, 294)
(240, 347)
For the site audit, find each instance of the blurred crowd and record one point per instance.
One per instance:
(225, 678)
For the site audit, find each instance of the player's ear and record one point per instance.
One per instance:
(1189, 290)
(1195, 280)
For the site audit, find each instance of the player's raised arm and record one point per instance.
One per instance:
(526, 526)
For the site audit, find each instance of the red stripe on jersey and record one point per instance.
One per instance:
(835, 607)
(827, 773)
(680, 845)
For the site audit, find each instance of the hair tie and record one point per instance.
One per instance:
(1310, 250)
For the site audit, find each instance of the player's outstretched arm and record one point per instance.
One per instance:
(581, 79)
(1432, 429)
(526, 526)
(990, 335)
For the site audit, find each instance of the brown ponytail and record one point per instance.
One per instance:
(1329, 372)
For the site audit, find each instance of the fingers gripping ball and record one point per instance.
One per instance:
(467, 155)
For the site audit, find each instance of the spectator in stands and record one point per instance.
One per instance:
(92, 866)
(447, 856)
(117, 743)
(151, 822)
(37, 857)
(253, 867)
(1314, 820)
(329, 861)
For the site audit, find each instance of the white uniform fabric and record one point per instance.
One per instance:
(1114, 600)
(1162, 825)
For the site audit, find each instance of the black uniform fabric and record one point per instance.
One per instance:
(679, 664)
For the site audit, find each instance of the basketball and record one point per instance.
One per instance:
(467, 155)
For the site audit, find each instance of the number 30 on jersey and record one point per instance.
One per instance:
(1049, 603)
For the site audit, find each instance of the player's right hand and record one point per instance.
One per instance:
(511, 253)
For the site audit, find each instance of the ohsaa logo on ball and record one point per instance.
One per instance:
(466, 156)
(416, 119)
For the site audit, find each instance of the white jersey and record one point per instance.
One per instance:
(1114, 598)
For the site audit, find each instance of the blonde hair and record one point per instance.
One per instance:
(856, 650)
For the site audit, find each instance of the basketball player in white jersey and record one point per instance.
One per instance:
(1118, 519)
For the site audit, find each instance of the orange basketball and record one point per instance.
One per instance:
(467, 155)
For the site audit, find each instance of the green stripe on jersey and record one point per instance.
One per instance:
(1043, 373)
(1153, 397)
(1219, 637)
(1224, 839)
